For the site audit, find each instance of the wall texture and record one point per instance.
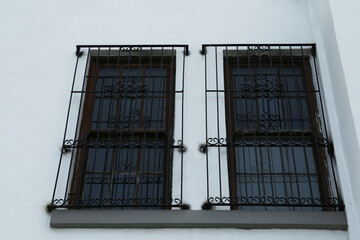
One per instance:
(36, 66)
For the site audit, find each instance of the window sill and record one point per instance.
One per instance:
(196, 219)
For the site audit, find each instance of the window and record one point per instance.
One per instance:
(122, 153)
(267, 145)
(273, 131)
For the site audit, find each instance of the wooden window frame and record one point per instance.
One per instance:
(85, 129)
(278, 63)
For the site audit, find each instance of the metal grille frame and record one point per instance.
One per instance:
(225, 140)
(144, 139)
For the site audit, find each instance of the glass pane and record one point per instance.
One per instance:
(124, 165)
(126, 160)
(276, 173)
(261, 103)
(103, 113)
(107, 79)
(152, 160)
(124, 189)
(96, 189)
(99, 160)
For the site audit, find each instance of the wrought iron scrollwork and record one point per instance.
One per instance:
(131, 87)
(216, 141)
(123, 178)
(268, 87)
(256, 48)
(113, 203)
(261, 141)
(267, 177)
(132, 49)
(275, 201)
(131, 121)
(259, 122)
(123, 143)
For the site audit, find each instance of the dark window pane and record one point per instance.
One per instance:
(126, 152)
(99, 160)
(270, 107)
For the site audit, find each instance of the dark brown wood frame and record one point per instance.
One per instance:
(81, 156)
(304, 64)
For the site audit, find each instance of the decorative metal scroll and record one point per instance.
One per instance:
(123, 143)
(269, 201)
(129, 203)
(267, 142)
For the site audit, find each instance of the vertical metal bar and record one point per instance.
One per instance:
(287, 124)
(252, 97)
(282, 124)
(306, 90)
(292, 120)
(276, 103)
(66, 126)
(182, 127)
(116, 150)
(114, 169)
(206, 131)
(78, 120)
(167, 138)
(280, 106)
(144, 127)
(161, 158)
(218, 122)
(263, 84)
(132, 142)
(86, 132)
(140, 162)
(260, 108)
(257, 149)
(315, 149)
(268, 123)
(102, 97)
(109, 126)
(231, 160)
(338, 194)
(169, 119)
(172, 103)
(238, 94)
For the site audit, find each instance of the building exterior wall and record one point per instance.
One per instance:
(334, 33)
(36, 69)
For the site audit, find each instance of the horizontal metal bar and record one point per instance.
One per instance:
(203, 51)
(259, 44)
(129, 92)
(186, 47)
(66, 147)
(116, 206)
(264, 145)
(278, 205)
(134, 45)
(257, 91)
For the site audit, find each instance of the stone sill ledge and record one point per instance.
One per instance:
(197, 219)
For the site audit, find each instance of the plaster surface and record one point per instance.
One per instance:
(36, 68)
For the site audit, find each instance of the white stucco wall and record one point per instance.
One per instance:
(334, 26)
(37, 61)
(348, 37)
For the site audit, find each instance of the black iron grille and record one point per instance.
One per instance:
(121, 134)
(266, 135)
